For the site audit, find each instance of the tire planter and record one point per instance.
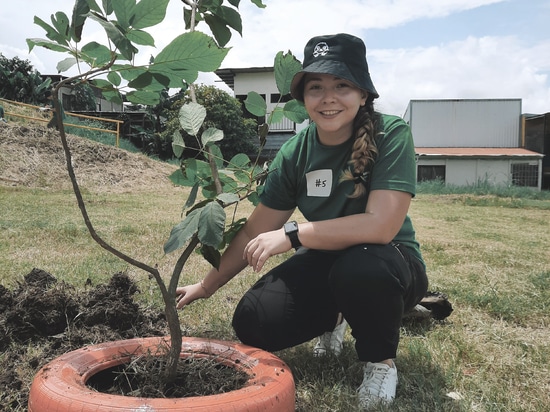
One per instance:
(60, 386)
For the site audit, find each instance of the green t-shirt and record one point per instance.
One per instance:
(306, 174)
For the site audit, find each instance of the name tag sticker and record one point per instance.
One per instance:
(319, 183)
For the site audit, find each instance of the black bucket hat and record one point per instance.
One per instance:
(341, 55)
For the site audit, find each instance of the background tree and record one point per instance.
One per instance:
(20, 82)
(83, 98)
(223, 112)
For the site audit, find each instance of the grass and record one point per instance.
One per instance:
(490, 252)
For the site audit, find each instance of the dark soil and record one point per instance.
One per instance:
(41, 319)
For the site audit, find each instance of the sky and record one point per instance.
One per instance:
(416, 49)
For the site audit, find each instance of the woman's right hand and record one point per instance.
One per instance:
(187, 294)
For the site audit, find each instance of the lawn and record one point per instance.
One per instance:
(490, 255)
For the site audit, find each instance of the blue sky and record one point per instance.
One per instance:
(416, 49)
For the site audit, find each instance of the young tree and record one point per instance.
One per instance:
(124, 22)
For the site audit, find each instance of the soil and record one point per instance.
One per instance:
(41, 318)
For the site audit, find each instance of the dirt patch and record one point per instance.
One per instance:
(32, 156)
(42, 318)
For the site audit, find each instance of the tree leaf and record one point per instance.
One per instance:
(183, 231)
(192, 196)
(140, 37)
(149, 13)
(191, 117)
(194, 51)
(178, 144)
(295, 111)
(65, 64)
(125, 47)
(258, 3)
(211, 135)
(47, 44)
(61, 24)
(239, 161)
(80, 13)
(96, 54)
(114, 78)
(212, 255)
(211, 224)
(255, 104)
(219, 29)
(228, 198)
(125, 11)
(147, 98)
(285, 67)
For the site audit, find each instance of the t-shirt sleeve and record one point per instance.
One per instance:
(395, 165)
(280, 188)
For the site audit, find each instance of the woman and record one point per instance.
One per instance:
(352, 175)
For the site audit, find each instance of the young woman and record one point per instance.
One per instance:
(352, 175)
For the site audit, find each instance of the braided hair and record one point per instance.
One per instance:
(364, 151)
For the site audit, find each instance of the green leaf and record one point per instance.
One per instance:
(61, 24)
(295, 111)
(178, 145)
(47, 44)
(255, 104)
(233, 19)
(218, 28)
(114, 78)
(140, 37)
(217, 154)
(125, 11)
(149, 13)
(97, 54)
(232, 231)
(191, 117)
(192, 52)
(192, 196)
(148, 98)
(178, 178)
(239, 161)
(51, 32)
(113, 96)
(107, 6)
(228, 198)
(211, 255)
(211, 135)
(80, 13)
(183, 231)
(258, 3)
(276, 116)
(65, 64)
(125, 47)
(285, 67)
(211, 224)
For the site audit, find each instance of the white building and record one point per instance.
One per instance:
(467, 141)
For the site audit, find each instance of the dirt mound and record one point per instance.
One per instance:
(32, 156)
(42, 318)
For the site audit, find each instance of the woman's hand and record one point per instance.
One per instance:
(265, 245)
(187, 294)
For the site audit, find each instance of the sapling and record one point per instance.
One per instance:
(112, 68)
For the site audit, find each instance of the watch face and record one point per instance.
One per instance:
(291, 227)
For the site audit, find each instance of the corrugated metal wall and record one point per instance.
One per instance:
(465, 123)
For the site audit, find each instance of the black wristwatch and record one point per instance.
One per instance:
(291, 230)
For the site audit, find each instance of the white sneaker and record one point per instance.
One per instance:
(379, 384)
(332, 342)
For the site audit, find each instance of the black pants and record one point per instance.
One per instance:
(371, 285)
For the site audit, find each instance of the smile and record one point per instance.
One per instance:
(330, 112)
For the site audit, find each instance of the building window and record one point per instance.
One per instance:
(427, 173)
(525, 174)
(276, 96)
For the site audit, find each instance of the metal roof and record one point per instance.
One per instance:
(476, 152)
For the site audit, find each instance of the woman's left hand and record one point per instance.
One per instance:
(265, 245)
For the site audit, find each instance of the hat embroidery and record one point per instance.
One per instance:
(321, 49)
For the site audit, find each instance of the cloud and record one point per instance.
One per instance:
(486, 67)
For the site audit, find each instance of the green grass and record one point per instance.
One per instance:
(490, 252)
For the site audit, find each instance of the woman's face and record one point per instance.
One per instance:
(332, 104)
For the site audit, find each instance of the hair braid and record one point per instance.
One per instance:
(364, 149)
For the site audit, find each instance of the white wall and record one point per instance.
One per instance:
(465, 123)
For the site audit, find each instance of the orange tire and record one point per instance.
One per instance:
(60, 386)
